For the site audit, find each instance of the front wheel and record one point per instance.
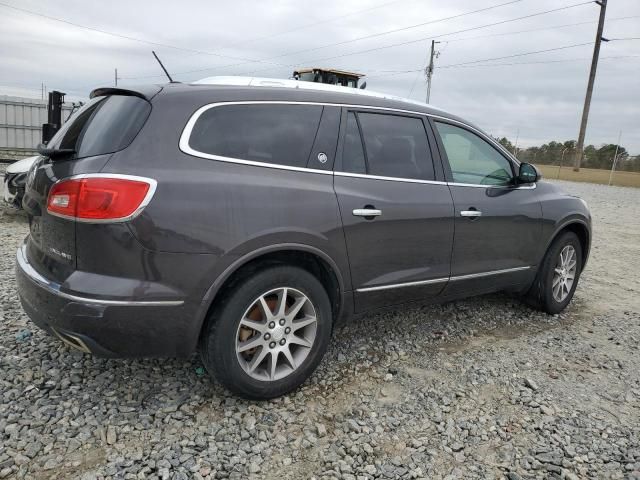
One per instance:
(558, 276)
(269, 333)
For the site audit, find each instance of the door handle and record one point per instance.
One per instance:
(367, 212)
(470, 213)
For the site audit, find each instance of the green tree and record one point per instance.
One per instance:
(603, 157)
(504, 141)
(556, 153)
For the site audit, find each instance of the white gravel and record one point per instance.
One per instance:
(482, 388)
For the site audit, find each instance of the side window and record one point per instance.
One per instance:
(352, 152)
(472, 159)
(396, 146)
(270, 133)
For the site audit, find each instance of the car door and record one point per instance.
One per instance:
(397, 211)
(498, 222)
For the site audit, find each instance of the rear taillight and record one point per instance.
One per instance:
(100, 197)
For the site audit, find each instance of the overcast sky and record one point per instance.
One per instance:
(541, 101)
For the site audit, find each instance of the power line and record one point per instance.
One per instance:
(395, 30)
(196, 51)
(134, 39)
(473, 62)
(344, 42)
(438, 36)
(204, 52)
(415, 80)
(186, 72)
(517, 55)
(314, 24)
(539, 29)
(563, 60)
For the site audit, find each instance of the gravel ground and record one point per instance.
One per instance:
(482, 388)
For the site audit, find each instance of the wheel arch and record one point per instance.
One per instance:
(581, 228)
(307, 257)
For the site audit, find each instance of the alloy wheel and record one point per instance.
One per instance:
(564, 273)
(276, 334)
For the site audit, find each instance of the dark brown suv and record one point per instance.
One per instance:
(247, 217)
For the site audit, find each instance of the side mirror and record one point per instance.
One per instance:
(528, 173)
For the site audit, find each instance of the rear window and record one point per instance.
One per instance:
(280, 134)
(103, 125)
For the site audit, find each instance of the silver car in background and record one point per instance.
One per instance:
(15, 179)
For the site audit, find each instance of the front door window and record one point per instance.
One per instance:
(472, 159)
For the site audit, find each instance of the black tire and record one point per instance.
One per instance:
(218, 341)
(541, 294)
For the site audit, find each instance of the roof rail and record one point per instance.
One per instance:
(281, 83)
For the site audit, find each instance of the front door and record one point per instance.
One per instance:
(397, 212)
(498, 223)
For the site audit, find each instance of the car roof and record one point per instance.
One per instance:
(228, 89)
(235, 88)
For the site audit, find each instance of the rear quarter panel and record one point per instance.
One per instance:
(214, 213)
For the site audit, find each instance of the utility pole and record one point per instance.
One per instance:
(116, 77)
(429, 70)
(515, 147)
(592, 77)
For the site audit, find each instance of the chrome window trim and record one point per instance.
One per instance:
(153, 185)
(478, 185)
(187, 130)
(186, 148)
(54, 288)
(186, 134)
(441, 280)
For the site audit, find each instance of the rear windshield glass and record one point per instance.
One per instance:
(281, 134)
(103, 125)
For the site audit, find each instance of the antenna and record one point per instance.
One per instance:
(165, 70)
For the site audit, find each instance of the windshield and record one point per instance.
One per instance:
(308, 77)
(103, 125)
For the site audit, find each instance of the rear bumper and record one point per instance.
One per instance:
(106, 327)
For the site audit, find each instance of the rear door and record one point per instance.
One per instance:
(497, 221)
(396, 210)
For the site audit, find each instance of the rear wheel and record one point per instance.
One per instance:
(558, 276)
(269, 333)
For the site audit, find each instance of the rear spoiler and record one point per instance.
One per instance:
(146, 92)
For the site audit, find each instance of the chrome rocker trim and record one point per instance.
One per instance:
(440, 280)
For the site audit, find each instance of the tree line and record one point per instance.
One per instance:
(562, 153)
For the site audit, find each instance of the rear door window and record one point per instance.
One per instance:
(269, 133)
(104, 125)
(394, 146)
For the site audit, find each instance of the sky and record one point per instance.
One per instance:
(480, 72)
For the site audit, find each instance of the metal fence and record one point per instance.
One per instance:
(21, 122)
